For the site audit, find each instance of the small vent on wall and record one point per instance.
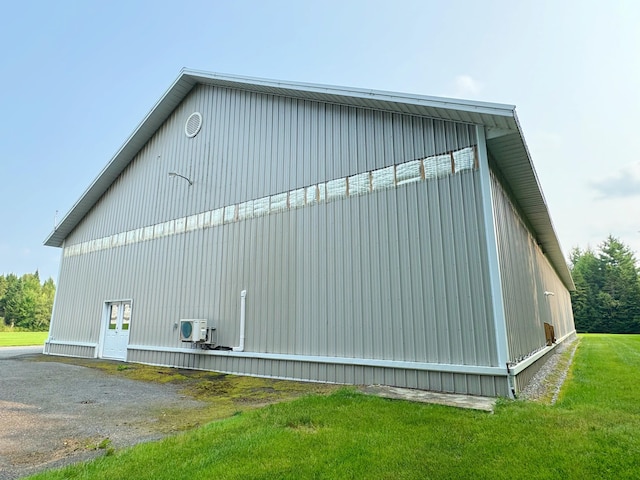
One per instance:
(193, 124)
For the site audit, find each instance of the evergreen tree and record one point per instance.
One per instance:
(620, 291)
(607, 296)
(3, 290)
(13, 302)
(586, 273)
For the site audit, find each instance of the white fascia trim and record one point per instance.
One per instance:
(381, 95)
(527, 362)
(364, 362)
(564, 337)
(72, 344)
(64, 355)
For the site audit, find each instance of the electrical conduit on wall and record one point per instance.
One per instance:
(243, 296)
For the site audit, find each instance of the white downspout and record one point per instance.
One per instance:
(243, 296)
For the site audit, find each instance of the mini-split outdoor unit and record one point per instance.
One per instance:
(193, 330)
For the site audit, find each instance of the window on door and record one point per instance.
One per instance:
(126, 316)
(113, 318)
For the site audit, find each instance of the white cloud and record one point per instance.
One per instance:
(623, 183)
(466, 86)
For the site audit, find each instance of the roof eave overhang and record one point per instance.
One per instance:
(512, 157)
(492, 115)
(140, 136)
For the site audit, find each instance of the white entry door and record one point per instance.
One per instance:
(116, 337)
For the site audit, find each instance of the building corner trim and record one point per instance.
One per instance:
(495, 280)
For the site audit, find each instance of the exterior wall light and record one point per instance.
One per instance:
(176, 174)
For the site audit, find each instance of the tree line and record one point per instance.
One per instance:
(25, 302)
(607, 295)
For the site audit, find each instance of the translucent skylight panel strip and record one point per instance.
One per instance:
(359, 184)
(337, 188)
(464, 159)
(383, 178)
(408, 172)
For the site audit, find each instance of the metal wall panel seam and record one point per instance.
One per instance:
(433, 339)
(415, 201)
(451, 271)
(482, 285)
(463, 286)
(405, 345)
(475, 278)
(417, 273)
(440, 272)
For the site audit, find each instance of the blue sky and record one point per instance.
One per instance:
(76, 78)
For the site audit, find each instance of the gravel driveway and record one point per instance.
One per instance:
(50, 412)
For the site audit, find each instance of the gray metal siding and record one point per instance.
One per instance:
(254, 145)
(526, 274)
(559, 312)
(485, 385)
(397, 274)
(66, 350)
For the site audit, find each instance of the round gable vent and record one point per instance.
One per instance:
(194, 122)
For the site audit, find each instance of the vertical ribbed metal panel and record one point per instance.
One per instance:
(526, 275)
(398, 274)
(70, 350)
(252, 146)
(351, 374)
(557, 311)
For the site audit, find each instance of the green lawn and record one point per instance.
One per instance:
(593, 431)
(22, 339)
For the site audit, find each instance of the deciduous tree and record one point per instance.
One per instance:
(25, 302)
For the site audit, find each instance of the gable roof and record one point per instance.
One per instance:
(505, 141)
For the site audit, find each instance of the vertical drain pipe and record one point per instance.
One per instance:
(243, 296)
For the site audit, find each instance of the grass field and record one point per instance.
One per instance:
(22, 339)
(593, 431)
